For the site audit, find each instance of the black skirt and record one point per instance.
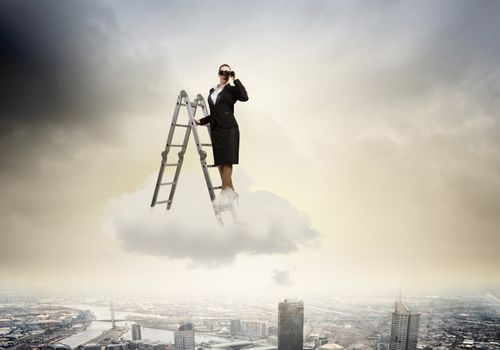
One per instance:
(225, 144)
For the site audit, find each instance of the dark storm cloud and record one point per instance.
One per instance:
(66, 65)
(70, 80)
(52, 53)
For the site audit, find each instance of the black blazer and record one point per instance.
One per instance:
(222, 110)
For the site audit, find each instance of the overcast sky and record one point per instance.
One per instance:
(369, 154)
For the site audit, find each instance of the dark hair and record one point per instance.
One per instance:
(225, 64)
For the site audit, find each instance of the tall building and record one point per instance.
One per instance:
(136, 331)
(290, 325)
(254, 329)
(235, 326)
(184, 337)
(404, 328)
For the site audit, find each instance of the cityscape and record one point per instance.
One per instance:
(409, 322)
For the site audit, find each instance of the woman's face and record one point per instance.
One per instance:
(224, 78)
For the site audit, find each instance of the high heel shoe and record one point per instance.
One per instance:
(221, 201)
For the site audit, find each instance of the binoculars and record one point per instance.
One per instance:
(226, 73)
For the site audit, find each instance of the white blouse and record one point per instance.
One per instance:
(216, 92)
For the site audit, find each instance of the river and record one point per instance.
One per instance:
(97, 327)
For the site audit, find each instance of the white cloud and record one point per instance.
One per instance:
(269, 223)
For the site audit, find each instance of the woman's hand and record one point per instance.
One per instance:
(197, 121)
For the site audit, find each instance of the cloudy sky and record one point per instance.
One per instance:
(369, 154)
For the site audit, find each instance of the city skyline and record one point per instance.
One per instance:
(349, 323)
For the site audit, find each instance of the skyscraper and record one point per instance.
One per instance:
(235, 326)
(290, 325)
(136, 332)
(184, 337)
(404, 328)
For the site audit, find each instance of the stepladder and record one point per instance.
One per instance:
(168, 156)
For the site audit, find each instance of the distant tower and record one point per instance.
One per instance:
(136, 331)
(112, 307)
(404, 328)
(184, 337)
(235, 326)
(290, 325)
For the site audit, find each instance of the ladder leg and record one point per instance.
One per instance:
(164, 154)
(179, 167)
(203, 156)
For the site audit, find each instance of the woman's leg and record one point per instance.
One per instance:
(222, 176)
(220, 171)
(231, 178)
(227, 170)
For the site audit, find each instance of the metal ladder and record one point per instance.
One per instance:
(183, 100)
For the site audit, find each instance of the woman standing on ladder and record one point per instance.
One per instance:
(224, 130)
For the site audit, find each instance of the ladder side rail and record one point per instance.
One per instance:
(182, 152)
(202, 153)
(167, 149)
(203, 157)
(207, 127)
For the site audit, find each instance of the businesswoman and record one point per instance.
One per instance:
(224, 130)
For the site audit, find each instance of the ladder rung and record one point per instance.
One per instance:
(206, 144)
(183, 125)
(167, 183)
(171, 164)
(216, 187)
(161, 202)
(176, 145)
(211, 165)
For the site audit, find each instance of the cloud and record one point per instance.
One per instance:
(269, 224)
(69, 76)
(282, 277)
